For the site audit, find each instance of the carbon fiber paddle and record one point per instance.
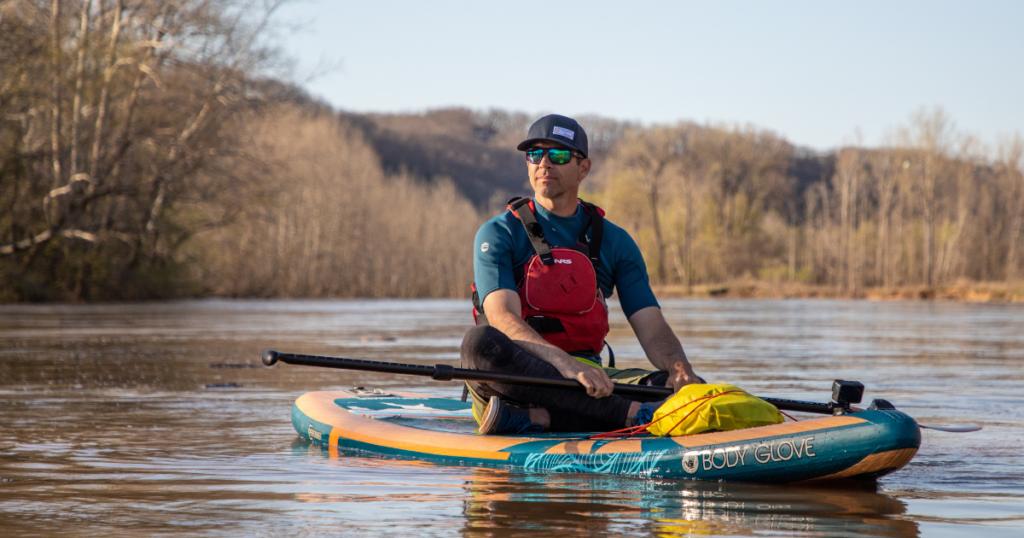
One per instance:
(844, 392)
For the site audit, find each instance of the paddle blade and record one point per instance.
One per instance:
(953, 428)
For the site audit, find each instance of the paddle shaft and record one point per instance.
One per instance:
(443, 372)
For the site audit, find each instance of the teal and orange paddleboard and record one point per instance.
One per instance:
(860, 444)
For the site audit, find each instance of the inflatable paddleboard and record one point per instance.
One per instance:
(861, 444)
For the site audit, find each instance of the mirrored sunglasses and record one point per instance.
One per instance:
(555, 155)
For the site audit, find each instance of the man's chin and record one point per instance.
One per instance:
(550, 192)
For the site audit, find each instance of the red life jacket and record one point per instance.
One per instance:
(558, 286)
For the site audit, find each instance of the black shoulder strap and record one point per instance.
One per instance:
(521, 208)
(596, 226)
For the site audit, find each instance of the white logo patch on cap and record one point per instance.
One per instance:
(563, 132)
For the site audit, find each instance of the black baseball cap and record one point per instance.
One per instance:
(558, 129)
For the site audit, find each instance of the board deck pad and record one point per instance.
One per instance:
(388, 406)
(429, 413)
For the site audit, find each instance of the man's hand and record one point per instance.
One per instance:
(595, 379)
(681, 375)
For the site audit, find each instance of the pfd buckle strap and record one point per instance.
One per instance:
(533, 229)
(544, 324)
(596, 226)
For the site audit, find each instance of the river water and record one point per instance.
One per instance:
(158, 418)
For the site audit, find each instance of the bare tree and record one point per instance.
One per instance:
(150, 88)
(847, 181)
(1010, 173)
(325, 220)
(649, 160)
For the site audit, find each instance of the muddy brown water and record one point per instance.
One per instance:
(157, 418)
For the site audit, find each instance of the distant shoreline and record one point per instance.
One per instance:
(960, 291)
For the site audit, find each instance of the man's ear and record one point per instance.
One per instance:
(584, 168)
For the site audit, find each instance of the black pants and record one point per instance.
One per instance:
(486, 348)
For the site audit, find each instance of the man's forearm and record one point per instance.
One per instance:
(503, 307)
(516, 329)
(664, 350)
(660, 344)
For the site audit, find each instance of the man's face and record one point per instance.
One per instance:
(554, 181)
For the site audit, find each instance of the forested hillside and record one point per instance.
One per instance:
(142, 157)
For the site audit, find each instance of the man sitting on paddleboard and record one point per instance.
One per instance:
(542, 271)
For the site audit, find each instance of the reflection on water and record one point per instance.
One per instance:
(157, 418)
(497, 502)
(615, 506)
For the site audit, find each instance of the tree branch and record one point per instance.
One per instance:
(101, 108)
(55, 93)
(76, 106)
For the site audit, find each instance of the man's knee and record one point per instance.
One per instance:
(655, 379)
(484, 347)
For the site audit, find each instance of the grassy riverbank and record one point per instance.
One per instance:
(961, 290)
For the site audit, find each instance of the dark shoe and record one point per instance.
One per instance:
(500, 417)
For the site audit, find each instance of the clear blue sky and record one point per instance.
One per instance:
(816, 72)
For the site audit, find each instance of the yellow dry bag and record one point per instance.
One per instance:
(701, 408)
